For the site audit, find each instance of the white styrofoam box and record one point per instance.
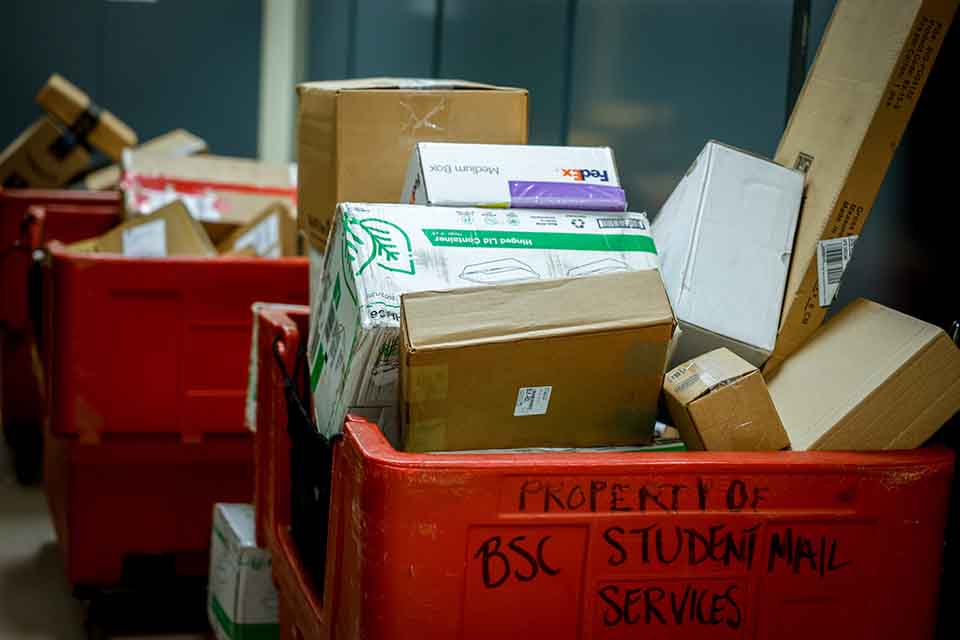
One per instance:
(724, 238)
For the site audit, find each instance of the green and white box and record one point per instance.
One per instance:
(241, 598)
(376, 252)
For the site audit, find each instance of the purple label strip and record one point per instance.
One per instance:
(564, 195)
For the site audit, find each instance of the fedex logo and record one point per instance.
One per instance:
(580, 175)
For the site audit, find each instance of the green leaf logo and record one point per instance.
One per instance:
(377, 242)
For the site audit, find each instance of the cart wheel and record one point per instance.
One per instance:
(26, 448)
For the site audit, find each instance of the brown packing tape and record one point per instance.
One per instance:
(72, 106)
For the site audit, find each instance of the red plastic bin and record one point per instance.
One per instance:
(155, 345)
(146, 363)
(68, 216)
(578, 545)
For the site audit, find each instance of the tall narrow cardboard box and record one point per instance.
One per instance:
(871, 67)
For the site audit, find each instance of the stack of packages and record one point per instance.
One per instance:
(509, 275)
(512, 301)
(176, 205)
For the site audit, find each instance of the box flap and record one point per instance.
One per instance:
(705, 373)
(538, 309)
(396, 83)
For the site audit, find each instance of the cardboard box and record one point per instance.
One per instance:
(505, 366)
(169, 231)
(70, 105)
(355, 136)
(178, 142)
(379, 251)
(241, 597)
(272, 234)
(724, 237)
(216, 189)
(872, 64)
(719, 402)
(44, 156)
(870, 378)
(519, 176)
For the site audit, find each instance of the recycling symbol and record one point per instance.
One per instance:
(578, 223)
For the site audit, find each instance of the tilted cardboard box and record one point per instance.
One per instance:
(98, 127)
(169, 231)
(271, 234)
(724, 237)
(719, 402)
(575, 362)
(872, 64)
(870, 378)
(355, 136)
(43, 156)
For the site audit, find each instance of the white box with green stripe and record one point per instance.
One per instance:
(241, 597)
(376, 252)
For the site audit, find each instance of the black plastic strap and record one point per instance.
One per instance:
(311, 469)
(86, 122)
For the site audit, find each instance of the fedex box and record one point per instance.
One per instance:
(377, 252)
(520, 176)
(725, 235)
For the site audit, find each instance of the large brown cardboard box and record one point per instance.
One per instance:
(719, 402)
(178, 142)
(870, 378)
(872, 64)
(222, 192)
(169, 231)
(554, 363)
(355, 137)
(271, 234)
(43, 156)
(71, 106)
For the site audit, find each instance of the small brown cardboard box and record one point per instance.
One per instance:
(42, 157)
(870, 378)
(554, 363)
(355, 137)
(868, 74)
(169, 231)
(220, 191)
(271, 234)
(71, 106)
(719, 402)
(178, 142)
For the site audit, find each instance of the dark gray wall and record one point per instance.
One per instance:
(157, 65)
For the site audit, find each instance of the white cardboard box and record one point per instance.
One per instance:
(378, 251)
(724, 237)
(241, 599)
(520, 176)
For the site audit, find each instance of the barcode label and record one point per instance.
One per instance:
(532, 401)
(832, 258)
(622, 223)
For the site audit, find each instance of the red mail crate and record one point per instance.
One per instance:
(155, 345)
(787, 545)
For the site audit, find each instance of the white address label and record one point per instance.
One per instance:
(832, 258)
(264, 238)
(532, 401)
(148, 240)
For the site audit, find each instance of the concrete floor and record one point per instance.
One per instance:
(35, 599)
